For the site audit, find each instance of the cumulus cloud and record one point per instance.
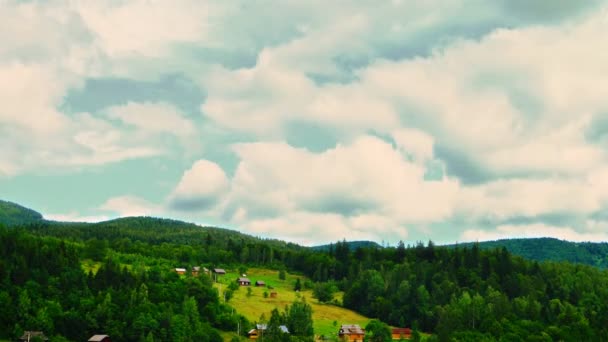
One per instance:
(511, 113)
(364, 189)
(200, 187)
(502, 102)
(42, 62)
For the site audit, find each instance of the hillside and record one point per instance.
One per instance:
(120, 275)
(164, 230)
(12, 214)
(175, 231)
(550, 249)
(254, 305)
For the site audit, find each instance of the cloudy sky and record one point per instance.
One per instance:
(311, 121)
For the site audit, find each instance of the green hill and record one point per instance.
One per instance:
(12, 214)
(175, 231)
(550, 249)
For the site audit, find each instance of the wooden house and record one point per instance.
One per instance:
(351, 332)
(100, 338)
(243, 281)
(196, 270)
(401, 333)
(30, 335)
(260, 283)
(273, 294)
(180, 270)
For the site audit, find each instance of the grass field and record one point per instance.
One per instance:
(327, 318)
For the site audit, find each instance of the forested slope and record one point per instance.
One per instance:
(13, 214)
(590, 253)
(45, 288)
(458, 293)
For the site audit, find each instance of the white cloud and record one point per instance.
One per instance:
(76, 217)
(504, 199)
(142, 28)
(130, 206)
(200, 186)
(47, 50)
(416, 143)
(361, 190)
(516, 111)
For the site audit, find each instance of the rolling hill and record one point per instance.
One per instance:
(166, 230)
(550, 249)
(12, 214)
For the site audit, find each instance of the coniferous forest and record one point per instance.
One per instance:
(457, 293)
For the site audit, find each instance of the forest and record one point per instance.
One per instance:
(456, 293)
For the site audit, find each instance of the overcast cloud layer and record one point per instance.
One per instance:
(311, 121)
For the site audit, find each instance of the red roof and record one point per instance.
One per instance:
(402, 331)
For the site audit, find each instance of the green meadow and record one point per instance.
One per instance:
(327, 317)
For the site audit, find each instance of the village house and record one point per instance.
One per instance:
(196, 270)
(180, 270)
(351, 332)
(243, 281)
(30, 335)
(254, 334)
(260, 283)
(401, 333)
(218, 272)
(100, 338)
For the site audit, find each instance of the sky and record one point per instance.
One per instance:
(311, 121)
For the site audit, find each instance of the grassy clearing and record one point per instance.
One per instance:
(324, 315)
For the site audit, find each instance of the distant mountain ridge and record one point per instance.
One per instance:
(352, 245)
(540, 249)
(550, 249)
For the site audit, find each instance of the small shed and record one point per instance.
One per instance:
(218, 272)
(100, 338)
(260, 283)
(196, 270)
(273, 294)
(30, 335)
(243, 281)
(180, 270)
